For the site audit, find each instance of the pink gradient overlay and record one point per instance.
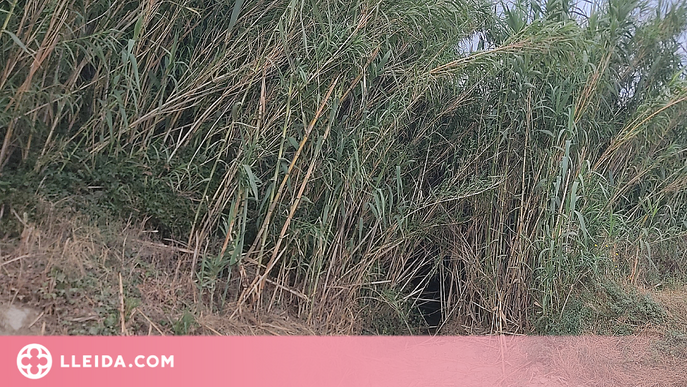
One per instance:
(343, 361)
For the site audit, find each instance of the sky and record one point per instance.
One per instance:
(584, 7)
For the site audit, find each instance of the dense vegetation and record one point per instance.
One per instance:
(385, 164)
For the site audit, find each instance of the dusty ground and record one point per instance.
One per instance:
(64, 275)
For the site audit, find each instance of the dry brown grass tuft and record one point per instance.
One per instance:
(66, 267)
(675, 303)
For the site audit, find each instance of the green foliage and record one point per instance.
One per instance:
(333, 147)
(67, 292)
(119, 186)
(611, 309)
(185, 324)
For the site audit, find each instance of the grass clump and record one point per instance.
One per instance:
(611, 309)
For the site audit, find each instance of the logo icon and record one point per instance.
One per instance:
(34, 361)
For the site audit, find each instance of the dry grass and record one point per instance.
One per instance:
(67, 268)
(598, 361)
(674, 300)
(61, 249)
(346, 160)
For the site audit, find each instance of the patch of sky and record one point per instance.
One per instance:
(579, 10)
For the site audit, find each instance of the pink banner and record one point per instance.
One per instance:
(331, 361)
